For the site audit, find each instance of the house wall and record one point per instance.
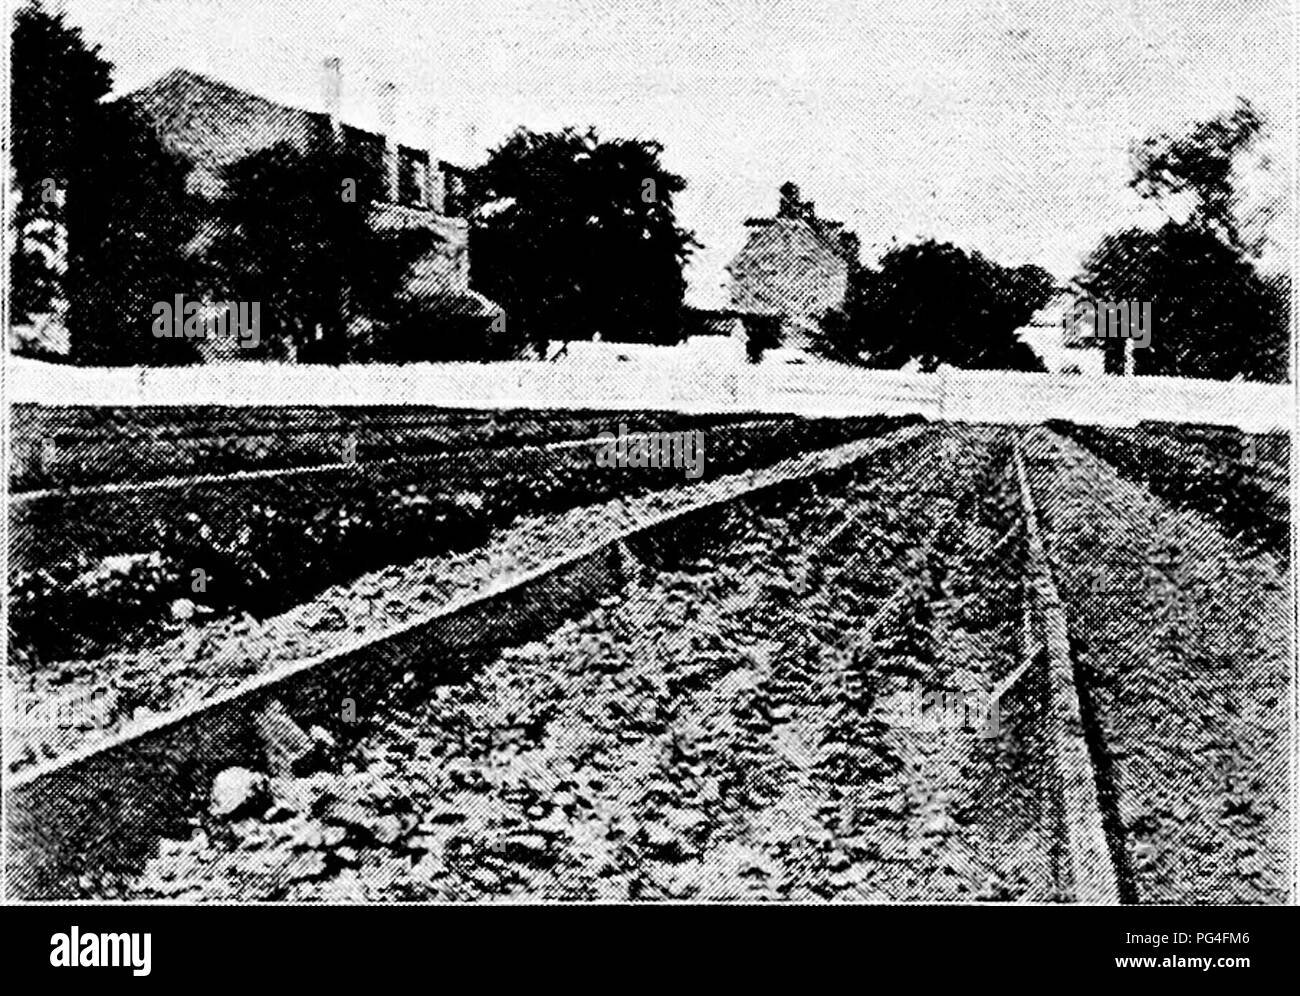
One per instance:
(786, 268)
(445, 267)
(212, 124)
(1052, 339)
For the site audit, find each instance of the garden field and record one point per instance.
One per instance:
(877, 659)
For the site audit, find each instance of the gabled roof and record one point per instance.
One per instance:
(213, 123)
(767, 233)
(826, 233)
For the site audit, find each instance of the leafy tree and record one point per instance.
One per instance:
(1270, 360)
(56, 83)
(96, 172)
(1214, 314)
(896, 311)
(294, 237)
(36, 281)
(576, 235)
(129, 219)
(1201, 165)
(762, 332)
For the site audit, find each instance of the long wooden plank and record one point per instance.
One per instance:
(1089, 874)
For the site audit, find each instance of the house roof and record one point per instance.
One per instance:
(1047, 329)
(213, 123)
(827, 233)
(767, 233)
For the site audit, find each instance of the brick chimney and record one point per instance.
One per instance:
(790, 206)
(331, 83)
(388, 120)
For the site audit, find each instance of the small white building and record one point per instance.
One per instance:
(1051, 338)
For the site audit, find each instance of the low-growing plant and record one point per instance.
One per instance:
(287, 547)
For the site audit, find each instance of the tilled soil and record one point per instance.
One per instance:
(1181, 642)
(736, 725)
(202, 661)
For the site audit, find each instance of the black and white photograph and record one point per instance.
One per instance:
(537, 452)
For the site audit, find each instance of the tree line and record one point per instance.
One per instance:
(1217, 314)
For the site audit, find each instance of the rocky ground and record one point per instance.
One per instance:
(206, 657)
(738, 725)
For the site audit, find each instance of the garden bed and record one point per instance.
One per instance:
(1181, 639)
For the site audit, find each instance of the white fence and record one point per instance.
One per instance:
(683, 384)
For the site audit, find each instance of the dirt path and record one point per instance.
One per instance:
(1181, 639)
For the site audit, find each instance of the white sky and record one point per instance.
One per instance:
(1001, 125)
